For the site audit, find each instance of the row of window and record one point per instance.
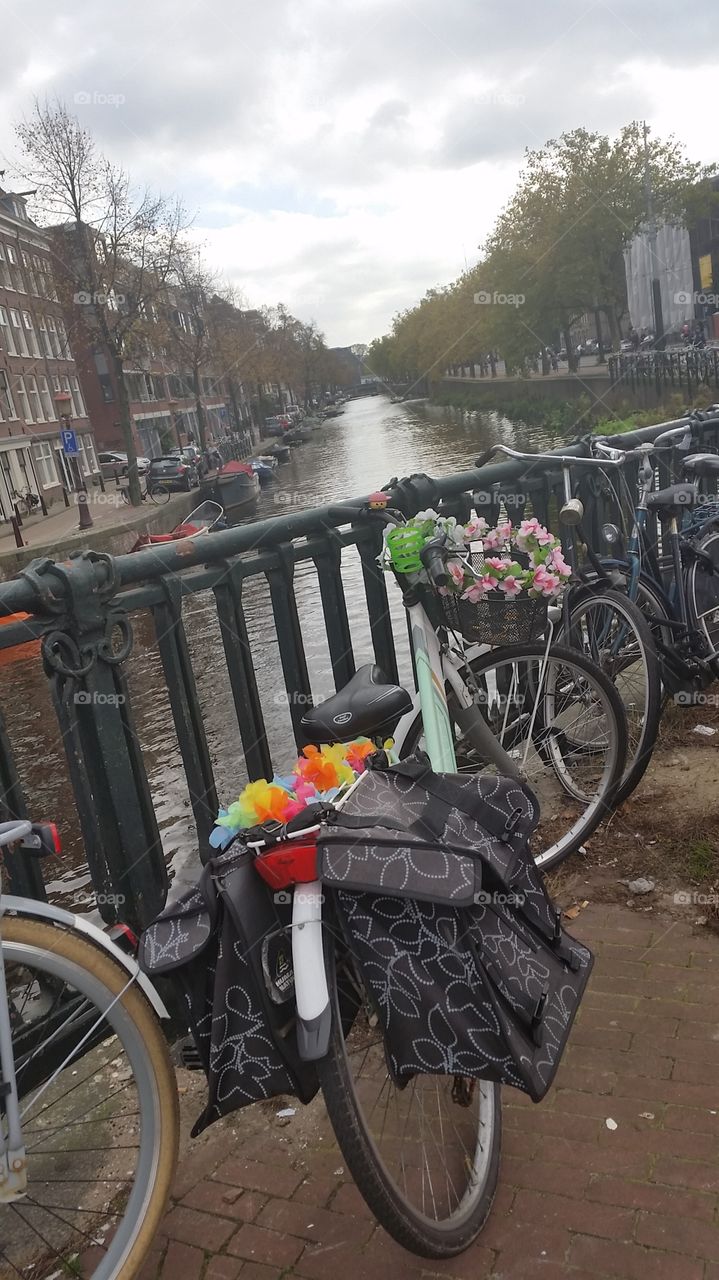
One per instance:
(52, 467)
(25, 273)
(33, 397)
(147, 387)
(20, 338)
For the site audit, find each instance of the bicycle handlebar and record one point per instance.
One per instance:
(433, 559)
(559, 459)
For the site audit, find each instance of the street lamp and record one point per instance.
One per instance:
(63, 400)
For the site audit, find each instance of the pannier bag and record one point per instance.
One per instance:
(459, 945)
(226, 950)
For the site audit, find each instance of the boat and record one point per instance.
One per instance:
(237, 485)
(264, 468)
(24, 648)
(298, 435)
(333, 412)
(279, 451)
(208, 516)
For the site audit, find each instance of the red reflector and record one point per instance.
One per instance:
(54, 835)
(293, 862)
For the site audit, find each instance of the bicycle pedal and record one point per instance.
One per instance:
(189, 1056)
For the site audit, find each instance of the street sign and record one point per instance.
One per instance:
(69, 443)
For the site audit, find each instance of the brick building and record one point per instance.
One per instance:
(36, 365)
(166, 394)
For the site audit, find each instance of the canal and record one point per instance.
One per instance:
(372, 441)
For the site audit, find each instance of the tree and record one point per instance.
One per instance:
(117, 246)
(189, 336)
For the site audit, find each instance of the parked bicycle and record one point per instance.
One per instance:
(157, 493)
(88, 1099)
(27, 502)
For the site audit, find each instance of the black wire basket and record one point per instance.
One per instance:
(497, 619)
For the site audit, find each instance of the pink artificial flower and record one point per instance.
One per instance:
(505, 530)
(529, 528)
(489, 582)
(544, 537)
(491, 540)
(557, 562)
(546, 583)
(497, 562)
(510, 586)
(456, 572)
(476, 527)
(474, 594)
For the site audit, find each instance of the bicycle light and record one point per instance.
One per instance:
(572, 511)
(611, 534)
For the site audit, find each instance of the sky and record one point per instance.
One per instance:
(343, 156)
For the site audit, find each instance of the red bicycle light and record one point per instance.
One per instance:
(293, 862)
(44, 839)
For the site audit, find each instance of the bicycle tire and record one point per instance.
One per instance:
(628, 655)
(158, 494)
(611, 706)
(360, 1147)
(58, 955)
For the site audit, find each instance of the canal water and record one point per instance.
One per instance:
(351, 455)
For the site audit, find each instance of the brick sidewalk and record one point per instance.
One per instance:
(259, 1199)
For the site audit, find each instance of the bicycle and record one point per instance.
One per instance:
(27, 500)
(157, 493)
(88, 1102)
(676, 590)
(602, 620)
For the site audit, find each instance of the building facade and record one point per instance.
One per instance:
(39, 379)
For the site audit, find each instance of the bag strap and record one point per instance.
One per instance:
(455, 797)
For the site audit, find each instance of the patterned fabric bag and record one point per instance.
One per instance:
(460, 947)
(225, 948)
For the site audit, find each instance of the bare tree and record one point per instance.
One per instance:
(190, 339)
(117, 246)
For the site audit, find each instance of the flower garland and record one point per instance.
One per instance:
(319, 774)
(542, 574)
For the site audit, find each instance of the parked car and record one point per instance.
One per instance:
(173, 472)
(111, 461)
(191, 455)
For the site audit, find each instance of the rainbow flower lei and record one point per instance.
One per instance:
(319, 774)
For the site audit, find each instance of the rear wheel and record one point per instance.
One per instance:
(426, 1164)
(99, 1110)
(560, 719)
(158, 494)
(613, 632)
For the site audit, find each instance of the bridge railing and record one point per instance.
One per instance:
(85, 611)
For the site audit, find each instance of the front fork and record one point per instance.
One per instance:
(13, 1163)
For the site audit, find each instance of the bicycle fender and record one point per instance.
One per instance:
(314, 1013)
(30, 909)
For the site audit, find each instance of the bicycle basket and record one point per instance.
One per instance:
(497, 619)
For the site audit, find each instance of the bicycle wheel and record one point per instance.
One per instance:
(563, 722)
(100, 1120)
(613, 632)
(158, 494)
(426, 1164)
(703, 592)
(125, 494)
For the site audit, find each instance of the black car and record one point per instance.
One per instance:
(172, 472)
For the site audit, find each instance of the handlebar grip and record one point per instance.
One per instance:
(483, 458)
(432, 557)
(346, 513)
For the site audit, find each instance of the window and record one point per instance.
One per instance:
(48, 407)
(45, 337)
(15, 272)
(18, 333)
(29, 272)
(62, 340)
(23, 402)
(87, 455)
(6, 334)
(54, 342)
(44, 464)
(31, 334)
(5, 280)
(7, 408)
(34, 398)
(78, 403)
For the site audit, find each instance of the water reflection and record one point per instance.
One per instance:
(351, 455)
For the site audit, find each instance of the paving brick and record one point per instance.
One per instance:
(182, 1262)
(585, 1079)
(543, 1175)
(631, 1261)
(311, 1223)
(511, 1236)
(226, 1202)
(258, 1244)
(259, 1271)
(591, 1218)
(688, 1071)
(682, 1235)
(317, 1191)
(654, 1091)
(202, 1163)
(630, 1110)
(273, 1180)
(551, 1123)
(606, 1038)
(631, 1063)
(347, 1199)
(657, 1199)
(221, 1267)
(686, 1173)
(202, 1229)
(693, 1119)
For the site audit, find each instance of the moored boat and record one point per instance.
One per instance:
(237, 485)
(208, 516)
(279, 451)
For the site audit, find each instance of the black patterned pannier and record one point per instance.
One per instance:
(440, 901)
(225, 947)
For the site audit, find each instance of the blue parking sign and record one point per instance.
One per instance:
(69, 442)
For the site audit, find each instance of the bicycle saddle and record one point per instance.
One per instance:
(674, 497)
(702, 464)
(367, 705)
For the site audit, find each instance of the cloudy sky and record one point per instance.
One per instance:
(342, 156)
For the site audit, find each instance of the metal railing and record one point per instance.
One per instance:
(685, 370)
(83, 610)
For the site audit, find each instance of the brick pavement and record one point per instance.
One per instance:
(260, 1198)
